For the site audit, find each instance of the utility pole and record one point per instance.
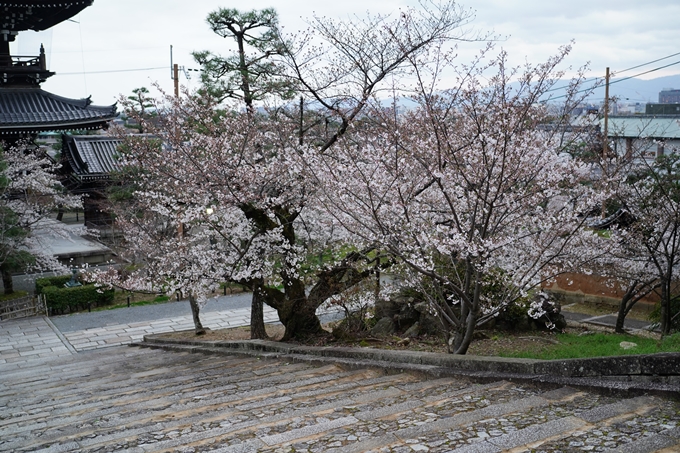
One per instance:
(302, 132)
(605, 143)
(175, 77)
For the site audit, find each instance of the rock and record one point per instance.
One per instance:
(480, 335)
(628, 345)
(412, 331)
(384, 327)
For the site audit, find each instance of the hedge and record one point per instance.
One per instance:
(61, 299)
(59, 282)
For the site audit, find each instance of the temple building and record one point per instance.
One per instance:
(26, 109)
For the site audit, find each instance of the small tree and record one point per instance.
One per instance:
(141, 104)
(652, 196)
(29, 194)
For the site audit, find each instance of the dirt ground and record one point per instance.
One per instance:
(487, 343)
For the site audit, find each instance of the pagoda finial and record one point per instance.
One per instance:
(43, 62)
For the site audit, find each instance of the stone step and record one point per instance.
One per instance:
(143, 400)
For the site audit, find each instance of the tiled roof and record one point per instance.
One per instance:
(26, 110)
(92, 157)
(38, 15)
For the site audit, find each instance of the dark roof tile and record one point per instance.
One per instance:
(93, 157)
(33, 109)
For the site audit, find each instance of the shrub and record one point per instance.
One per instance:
(58, 281)
(63, 299)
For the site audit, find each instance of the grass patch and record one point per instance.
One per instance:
(574, 346)
(14, 295)
(121, 302)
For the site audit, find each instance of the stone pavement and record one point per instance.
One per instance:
(137, 400)
(113, 335)
(30, 338)
(34, 338)
(79, 389)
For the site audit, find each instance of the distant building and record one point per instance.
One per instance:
(662, 109)
(669, 96)
(646, 136)
(630, 108)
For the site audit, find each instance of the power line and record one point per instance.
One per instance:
(615, 81)
(646, 72)
(649, 62)
(112, 71)
(594, 79)
(118, 49)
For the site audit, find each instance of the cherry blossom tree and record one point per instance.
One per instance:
(229, 183)
(480, 204)
(233, 180)
(30, 194)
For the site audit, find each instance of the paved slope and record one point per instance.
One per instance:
(142, 400)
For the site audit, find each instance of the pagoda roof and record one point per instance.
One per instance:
(92, 157)
(38, 15)
(30, 110)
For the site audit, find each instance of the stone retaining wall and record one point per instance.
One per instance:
(662, 367)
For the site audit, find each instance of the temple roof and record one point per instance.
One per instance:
(30, 110)
(92, 157)
(19, 15)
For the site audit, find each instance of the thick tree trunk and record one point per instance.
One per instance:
(257, 329)
(296, 310)
(300, 320)
(463, 337)
(7, 282)
(195, 309)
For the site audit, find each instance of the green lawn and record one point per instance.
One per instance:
(572, 346)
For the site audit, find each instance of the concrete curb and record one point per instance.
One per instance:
(61, 336)
(629, 375)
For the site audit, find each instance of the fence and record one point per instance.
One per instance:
(22, 307)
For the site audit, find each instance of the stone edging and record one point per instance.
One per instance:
(652, 373)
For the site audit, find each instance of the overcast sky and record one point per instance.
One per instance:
(134, 37)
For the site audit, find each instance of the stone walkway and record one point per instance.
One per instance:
(34, 338)
(144, 400)
(81, 389)
(112, 335)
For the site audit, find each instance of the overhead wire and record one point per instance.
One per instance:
(649, 62)
(113, 70)
(599, 79)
